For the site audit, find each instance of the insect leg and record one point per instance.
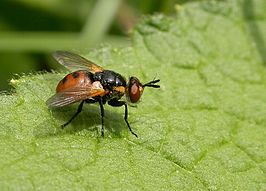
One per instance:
(125, 118)
(117, 103)
(75, 115)
(102, 115)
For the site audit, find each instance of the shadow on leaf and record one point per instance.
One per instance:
(89, 120)
(254, 29)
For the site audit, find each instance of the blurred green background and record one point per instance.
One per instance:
(31, 29)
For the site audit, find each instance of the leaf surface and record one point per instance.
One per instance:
(204, 129)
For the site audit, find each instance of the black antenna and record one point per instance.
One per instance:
(152, 84)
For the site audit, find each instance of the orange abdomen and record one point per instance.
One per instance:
(79, 78)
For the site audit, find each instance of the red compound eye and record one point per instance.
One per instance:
(134, 90)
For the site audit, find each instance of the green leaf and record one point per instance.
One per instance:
(204, 129)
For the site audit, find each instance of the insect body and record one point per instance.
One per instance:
(90, 83)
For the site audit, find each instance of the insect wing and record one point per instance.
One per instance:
(73, 95)
(74, 62)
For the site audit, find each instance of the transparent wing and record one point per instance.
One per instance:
(75, 62)
(73, 95)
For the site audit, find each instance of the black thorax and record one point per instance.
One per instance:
(109, 79)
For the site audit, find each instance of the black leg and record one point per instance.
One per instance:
(117, 103)
(125, 117)
(102, 115)
(75, 115)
